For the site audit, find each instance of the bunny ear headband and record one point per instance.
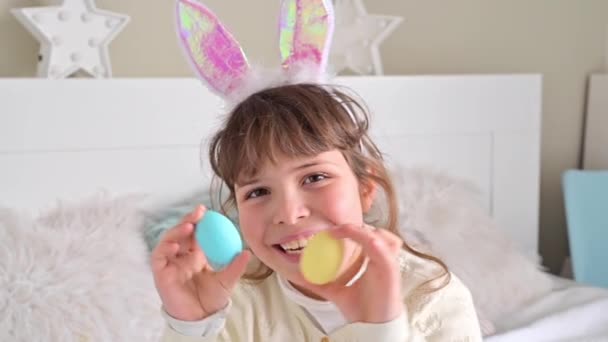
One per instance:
(305, 31)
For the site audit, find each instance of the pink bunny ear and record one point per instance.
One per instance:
(306, 29)
(216, 56)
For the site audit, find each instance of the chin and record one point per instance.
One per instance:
(288, 272)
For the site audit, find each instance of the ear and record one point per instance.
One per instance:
(215, 55)
(305, 32)
(368, 194)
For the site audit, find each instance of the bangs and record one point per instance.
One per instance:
(267, 142)
(294, 121)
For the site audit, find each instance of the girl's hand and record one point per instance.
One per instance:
(189, 289)
(376, 296)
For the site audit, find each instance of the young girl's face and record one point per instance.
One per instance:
(282, 206)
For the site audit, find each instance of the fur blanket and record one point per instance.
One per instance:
(444, 216)
(77, 273)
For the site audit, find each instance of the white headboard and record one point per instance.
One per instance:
(66, 139)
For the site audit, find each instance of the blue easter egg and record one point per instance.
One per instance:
(218, 238)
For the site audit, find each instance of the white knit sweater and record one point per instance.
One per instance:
(267, 312)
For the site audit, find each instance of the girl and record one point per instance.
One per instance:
(297, 159)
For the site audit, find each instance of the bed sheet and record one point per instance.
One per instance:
(570, 312)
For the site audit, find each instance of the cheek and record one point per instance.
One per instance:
(342, 203)
(252, 226)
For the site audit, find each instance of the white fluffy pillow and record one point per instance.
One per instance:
(443, 216)
(77, 273)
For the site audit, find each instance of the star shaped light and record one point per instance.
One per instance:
(74, 36)
(357, 37)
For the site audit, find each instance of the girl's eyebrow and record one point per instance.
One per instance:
(305, 165)
(312, 162)
(296, 168)
(248, 182)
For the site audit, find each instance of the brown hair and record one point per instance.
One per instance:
(302, 120)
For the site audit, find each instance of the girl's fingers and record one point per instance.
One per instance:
(229, 276)
(178, 233)
(379, 246)
(195, 216)
(192, 262)
(179, 246)
(162, 253)
(185, 265)
(393, 241)
(187, 245)
(182, 234)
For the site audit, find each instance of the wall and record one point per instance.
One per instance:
(562, 39)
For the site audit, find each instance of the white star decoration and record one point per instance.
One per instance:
(74, 36)
(358, 36)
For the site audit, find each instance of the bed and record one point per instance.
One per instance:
(66, 139)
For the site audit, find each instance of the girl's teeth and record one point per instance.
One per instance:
(295, 245)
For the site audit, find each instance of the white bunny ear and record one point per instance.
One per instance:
(216, 56)
(305, 33)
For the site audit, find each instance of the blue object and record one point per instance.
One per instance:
(159, 221)
(218, 238)
(586, 201)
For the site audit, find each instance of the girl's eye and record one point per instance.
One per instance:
(315, 178)
(256, 193)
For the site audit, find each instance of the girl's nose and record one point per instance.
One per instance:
(290, 209)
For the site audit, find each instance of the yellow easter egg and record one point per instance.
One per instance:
(321, 260)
